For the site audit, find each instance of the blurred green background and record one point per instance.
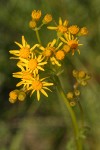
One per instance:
(46, 125)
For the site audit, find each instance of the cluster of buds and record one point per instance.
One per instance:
(17, 95)
(36, 16)
(81, 80)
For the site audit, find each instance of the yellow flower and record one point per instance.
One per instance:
(83, 31)
(72, 42)
(60, 54)
(39, 85)
(13, 96)
(24, 75)
(47, 18)
(73, 29)
(62, 27)
(50, 49)
(33, 64)
(32, 24)
(24, 51)
(36, 15)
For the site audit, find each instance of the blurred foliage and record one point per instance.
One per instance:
(42, 125)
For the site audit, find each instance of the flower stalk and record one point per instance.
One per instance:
(37, 35)
(72, 114)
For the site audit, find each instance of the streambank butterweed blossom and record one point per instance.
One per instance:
(35, 61)
(40, 65)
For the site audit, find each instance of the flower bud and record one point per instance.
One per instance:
(70, 95)
(77, 92)
(36, 15)
(47, 18)
(81, 74)
(13, 96)
(21, 96)
(32, 24)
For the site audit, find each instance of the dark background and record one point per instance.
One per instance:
(46, 125)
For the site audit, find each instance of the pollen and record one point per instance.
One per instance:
(73, 29)
(60, 55)
(62, 29)
(26, 75)
(36, 15)
(37, 85)
(73, 44)
(24, 52)
(32, 64)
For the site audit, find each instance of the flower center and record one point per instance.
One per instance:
(26, 75)
(37, 85)
(60, 55)
(62, 28)
(24, 52)
(32, 64)
(73, 44)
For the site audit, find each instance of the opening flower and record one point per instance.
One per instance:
(39, 85)
(61, 27)
(24, 51)
(47, 18)
(60, 55)
(50, 49)
(36, 15)
(72, 42)
(73, 29)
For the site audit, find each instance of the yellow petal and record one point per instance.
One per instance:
(52, 28)
(62, 39)
(23, 41)
(60, 21)
(38, 95)
(53, 42)
(19, 44)
(44, 93)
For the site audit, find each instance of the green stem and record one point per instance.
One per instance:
(37, 35)
(72, 114)
(82, 113)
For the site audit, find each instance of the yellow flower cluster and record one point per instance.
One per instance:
(30, 65)
(69, 35)
(34, 62)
